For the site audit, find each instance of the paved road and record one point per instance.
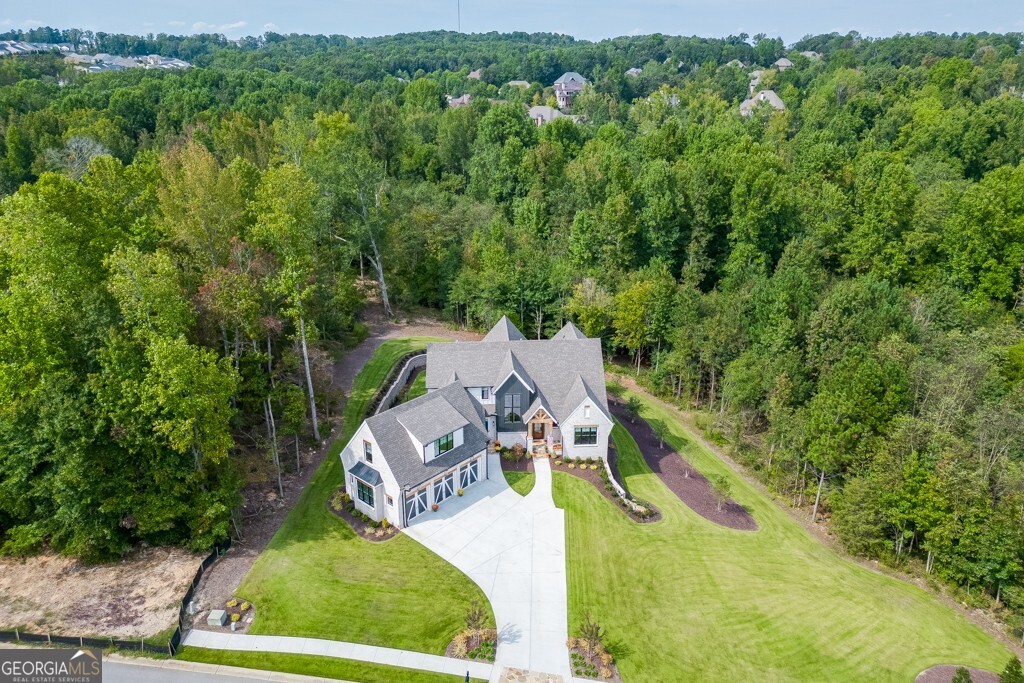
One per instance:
(514, 549)
(125, 672)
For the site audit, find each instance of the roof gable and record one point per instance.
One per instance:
(551, 366)
(504, 330)
(569, 331)
(432, 419)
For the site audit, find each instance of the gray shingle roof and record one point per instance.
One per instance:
(404, 460)
(570, 77)
(504, 330)
(365, 474)
(511, 365)
(431, 420)
(569, 331)
(553, 365)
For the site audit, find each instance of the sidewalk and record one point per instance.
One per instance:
(341, 650)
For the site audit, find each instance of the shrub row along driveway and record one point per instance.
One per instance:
(514, 549)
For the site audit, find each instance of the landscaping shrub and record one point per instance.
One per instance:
(962, 675)
(1012, 673)
(476, 617)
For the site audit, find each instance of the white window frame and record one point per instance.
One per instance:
(576, 435)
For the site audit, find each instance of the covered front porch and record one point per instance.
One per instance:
(543, 437)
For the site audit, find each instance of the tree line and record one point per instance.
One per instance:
(837, 286)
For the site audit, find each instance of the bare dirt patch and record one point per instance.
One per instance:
(945, 673)
(138, 596)
(680, 476)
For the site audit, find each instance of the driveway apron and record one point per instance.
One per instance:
(513, 547)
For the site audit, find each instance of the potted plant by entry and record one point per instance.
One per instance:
(460, 492)
(434, 507)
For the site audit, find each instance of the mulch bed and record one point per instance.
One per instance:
(588, 665)
(524, 464)
(366, 530)
(595, 478)
(680, 476)
(945, 672)
(480, 645)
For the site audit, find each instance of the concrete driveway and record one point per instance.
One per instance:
(513, 547)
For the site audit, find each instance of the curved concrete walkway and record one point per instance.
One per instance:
(218, 640)
(513, 547)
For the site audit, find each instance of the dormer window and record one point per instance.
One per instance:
(444, 444)
(485, 393)
(367, 451)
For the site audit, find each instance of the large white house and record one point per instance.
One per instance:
(548, 395)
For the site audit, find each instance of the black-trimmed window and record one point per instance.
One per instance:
(485, 393)
(364, 493)
(368, 451)
(513, 408)
(444, 444)
(584, 436)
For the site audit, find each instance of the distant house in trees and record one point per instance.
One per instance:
(567, 87)
(811, 55)
(769, 96)
(782, 64)
(634, 72)
(736, 63)
(755, 79)
(520, 84)
(476, 74)
(542, 114)
(461, 101)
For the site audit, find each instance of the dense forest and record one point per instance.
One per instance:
(839, 286)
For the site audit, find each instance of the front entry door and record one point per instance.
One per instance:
(538, 431)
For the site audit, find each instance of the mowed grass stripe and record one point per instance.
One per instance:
(316, 578)
(686, 599)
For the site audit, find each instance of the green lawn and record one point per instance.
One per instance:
(317, 578)
(686, 599)
(521, 482)
(418, 387)
(312, 665)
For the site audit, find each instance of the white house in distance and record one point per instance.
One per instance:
(548, 395)
(567, 86)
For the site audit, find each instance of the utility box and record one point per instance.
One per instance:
(217, 618)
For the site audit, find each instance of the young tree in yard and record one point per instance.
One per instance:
(476, 617)
(633, 406)
(962, 675)
(591, 632)
(722, 490)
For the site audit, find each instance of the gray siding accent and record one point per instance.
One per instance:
(511, 387)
